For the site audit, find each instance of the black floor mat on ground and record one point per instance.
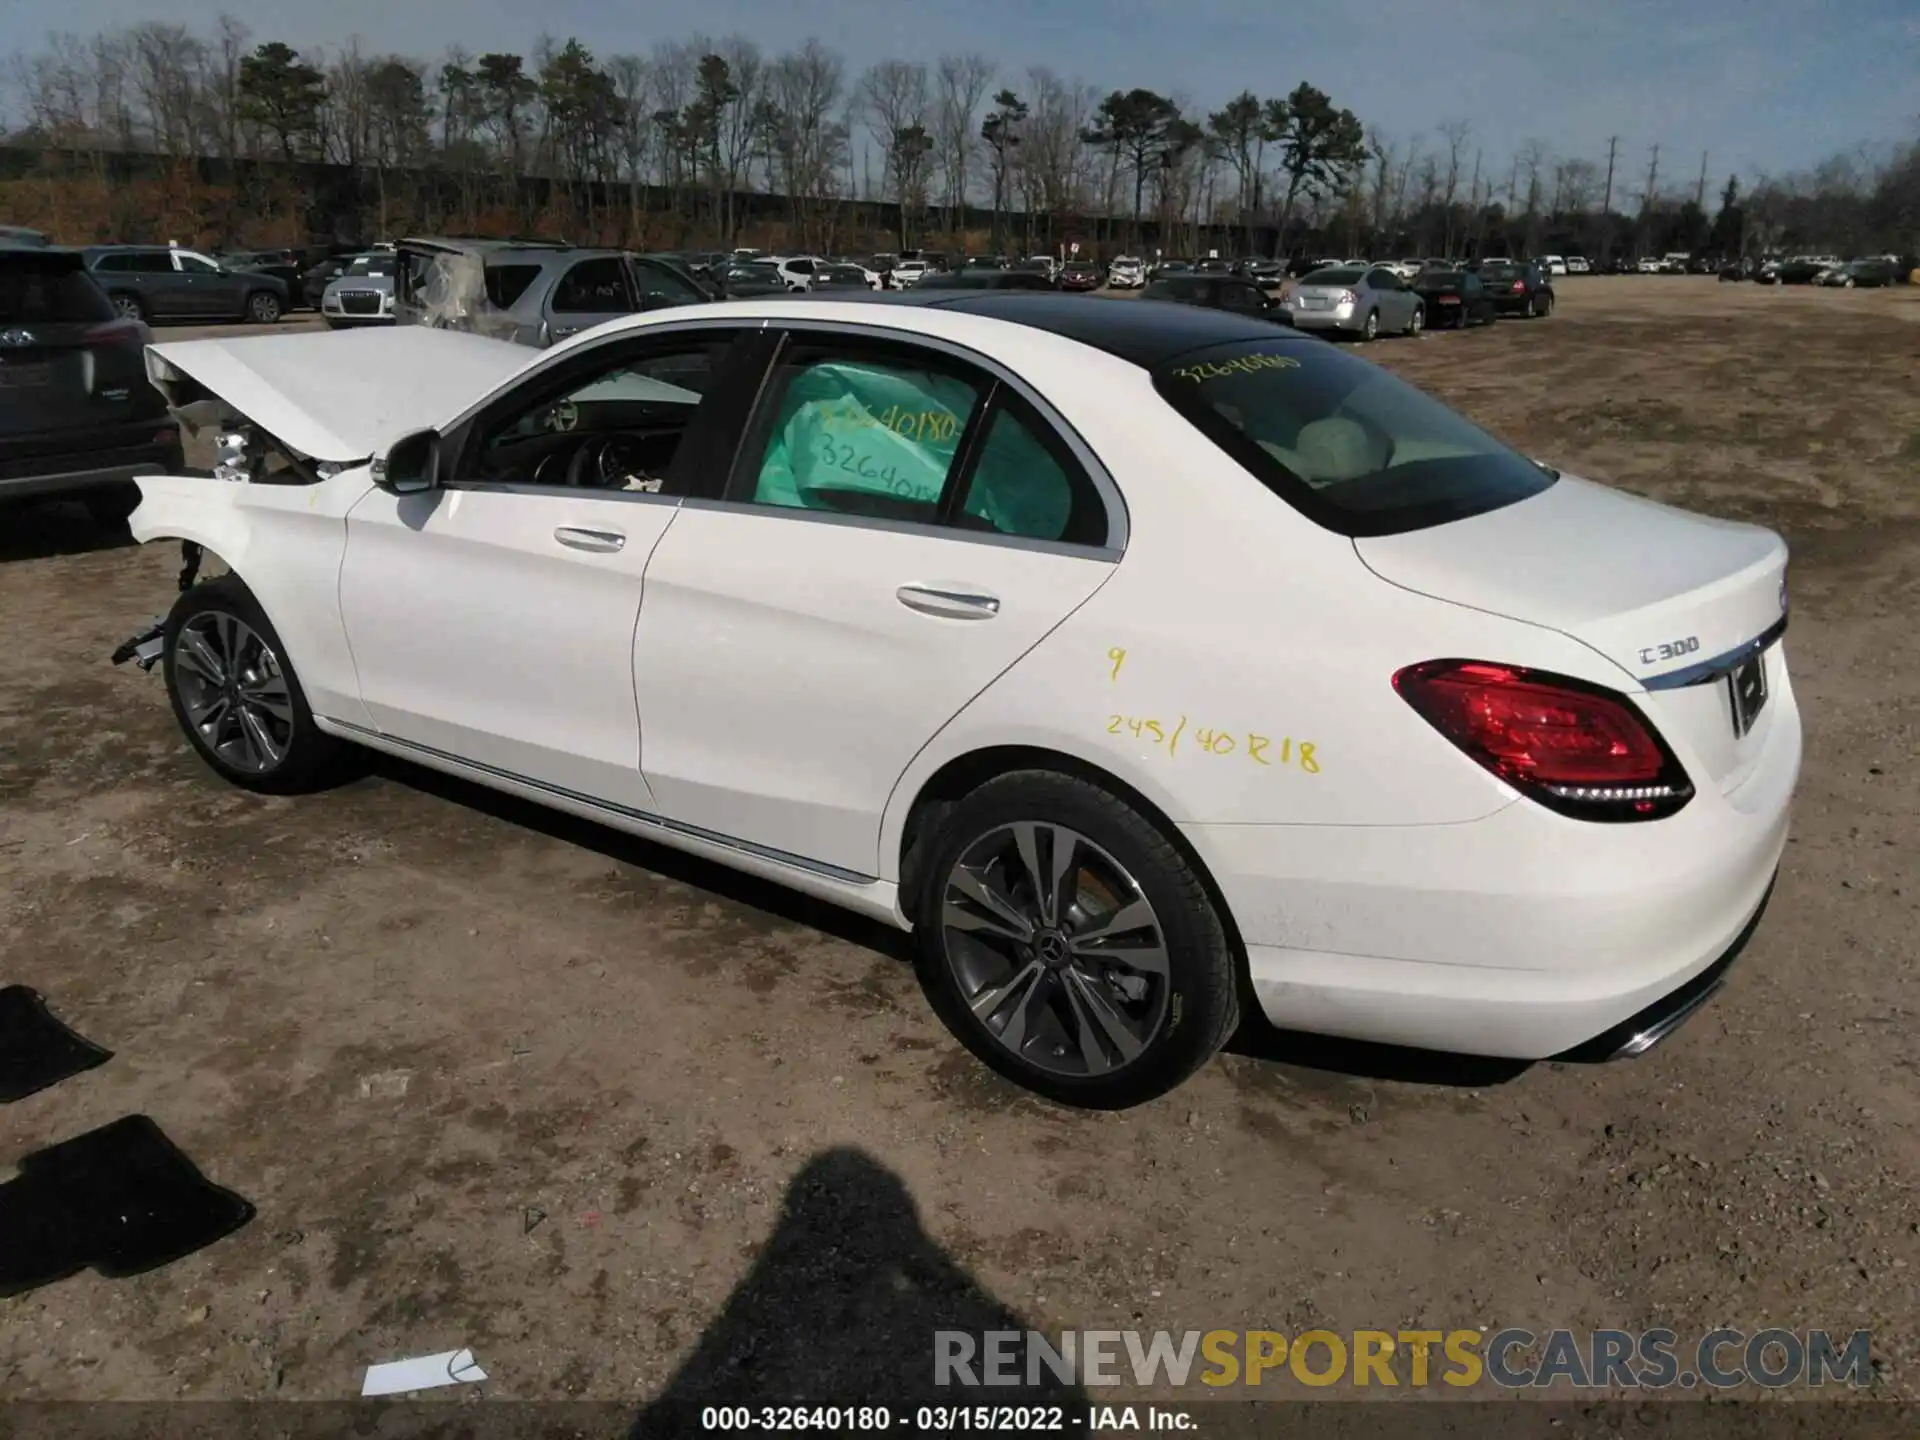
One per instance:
(36, 1050)
(121, 1199)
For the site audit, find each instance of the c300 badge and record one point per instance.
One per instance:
(1671, 650)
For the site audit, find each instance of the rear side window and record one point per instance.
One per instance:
(1026, 483)
(49, 289)
(1349, 445)
(593, 287)
(854, 435)
(507, 283)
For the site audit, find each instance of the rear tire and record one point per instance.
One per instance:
(263, 307)
(1529, 311)
(128, 307)
(237, 698)
(1370, 327)
(1417, 322)
(1044, 993)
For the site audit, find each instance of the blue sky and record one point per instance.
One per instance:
(1767, 85)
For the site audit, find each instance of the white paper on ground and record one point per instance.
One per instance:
(423, 1372)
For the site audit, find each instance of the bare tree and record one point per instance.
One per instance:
(808, 143)
(961, 83)
(895, 102)
(1455, 133)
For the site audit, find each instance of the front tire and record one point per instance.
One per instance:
(1418, 322)
(235, 695)
(1069, 945)
(263, 307)
(128, 307)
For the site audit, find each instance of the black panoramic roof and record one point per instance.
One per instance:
(1145, 332)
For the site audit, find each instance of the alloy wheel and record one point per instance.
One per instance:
(234, 691)
(1056, 949)
(126, 307)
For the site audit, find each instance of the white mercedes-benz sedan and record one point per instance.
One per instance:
(1137, 658)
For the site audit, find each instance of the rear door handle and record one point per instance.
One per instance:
(949, 604)
(600, 542)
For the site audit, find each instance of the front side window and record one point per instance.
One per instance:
(152, 262)
(875, 435)
(1350, 445)
(593, 287)
(617, 425)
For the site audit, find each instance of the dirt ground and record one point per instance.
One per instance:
(628, 1125)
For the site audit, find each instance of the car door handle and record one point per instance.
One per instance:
(600, 542)
(949, 604)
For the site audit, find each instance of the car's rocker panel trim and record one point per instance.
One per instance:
(1707, 671)
(347, 730)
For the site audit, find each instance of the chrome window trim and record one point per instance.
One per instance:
(1103, 482)
(908, 527)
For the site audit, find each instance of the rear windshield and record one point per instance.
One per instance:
(1345, 442)
(1333, 277)
(1438, 277)
(49, 289)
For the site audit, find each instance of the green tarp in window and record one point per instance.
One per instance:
(867, 429)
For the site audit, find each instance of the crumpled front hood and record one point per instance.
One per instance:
(342, 396)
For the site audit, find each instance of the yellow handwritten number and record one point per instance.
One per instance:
(1118, 657)
(1307, 762)
(1113, 724)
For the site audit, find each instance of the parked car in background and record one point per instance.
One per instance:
(160, 282)
(1039, 265)
(982, 278)
(77, 416)
(1738, 269)
(1079, 275)
(361, 294)
(1518, 288)
(20, 236)
(1268, 274)
(1213, 265)
(1126, 273)
(1217, 292)
(985, 262)
(1800, 270)
(1551, 265)
(1172, 265)
(1577, 265)
(283, 264)
(836, 277)
(753, 278)
(1454, 299)
(1347, 299)
(1862, 274)
(530, 292)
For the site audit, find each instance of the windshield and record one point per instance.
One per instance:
(1349, 445)
(1133, 260)
(371, 265)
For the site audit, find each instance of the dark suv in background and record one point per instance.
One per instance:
(163, 282)
(77, 416)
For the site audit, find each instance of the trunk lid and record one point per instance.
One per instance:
(1675, 599)
(340, 397)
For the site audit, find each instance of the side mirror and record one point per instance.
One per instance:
(411, 464)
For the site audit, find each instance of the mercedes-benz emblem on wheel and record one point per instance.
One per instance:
(16, 338)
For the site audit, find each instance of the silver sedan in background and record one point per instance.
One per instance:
(1357, 301)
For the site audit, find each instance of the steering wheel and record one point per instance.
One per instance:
(587, 470)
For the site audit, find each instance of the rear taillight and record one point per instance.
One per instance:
(118, 332)
(1518, 286)
(1576, 748)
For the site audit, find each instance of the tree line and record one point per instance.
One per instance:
(714, 142)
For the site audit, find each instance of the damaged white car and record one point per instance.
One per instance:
(1136, 657)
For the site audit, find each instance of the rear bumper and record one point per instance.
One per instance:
(1523, 935)
(1325, 320)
